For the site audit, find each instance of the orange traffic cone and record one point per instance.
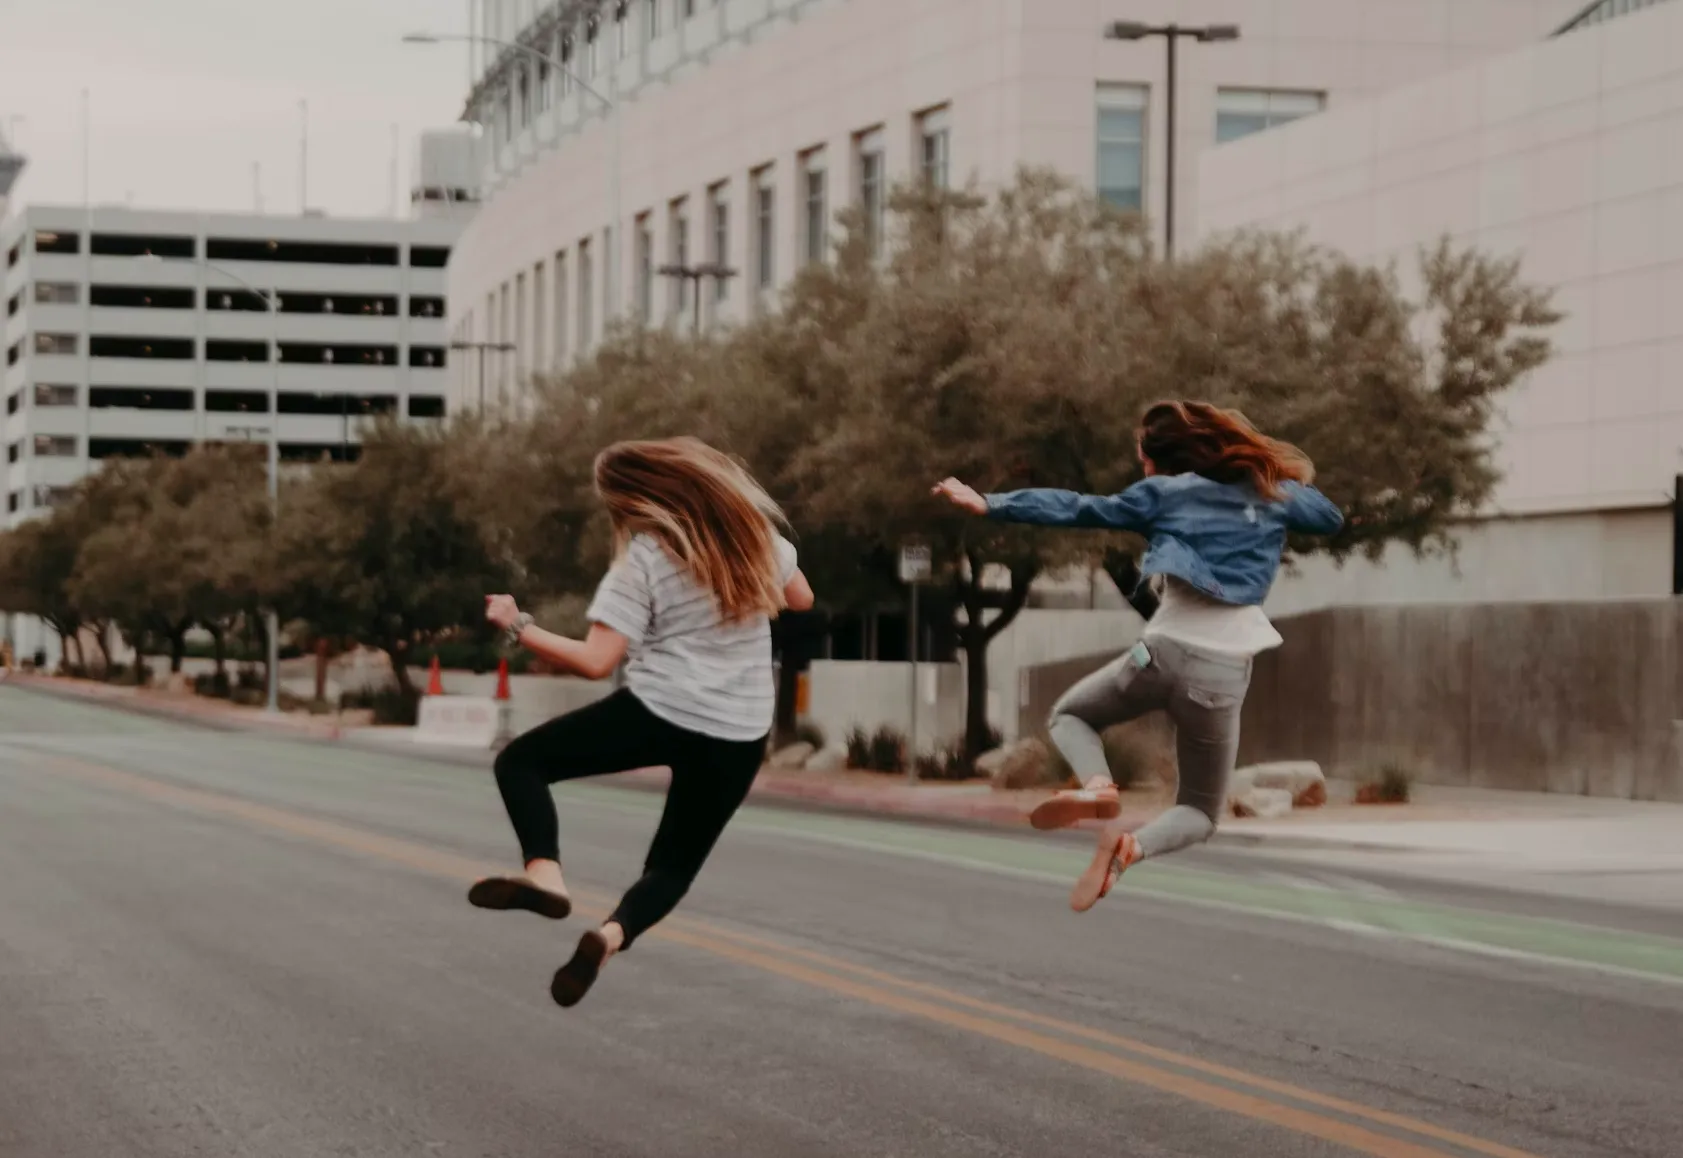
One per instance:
(502, 679)
(435, 681)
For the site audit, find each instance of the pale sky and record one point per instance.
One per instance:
(186, 95)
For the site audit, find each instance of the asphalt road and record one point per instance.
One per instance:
(225, 944)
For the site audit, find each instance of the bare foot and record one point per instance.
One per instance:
(1115, 852)
(539, 890)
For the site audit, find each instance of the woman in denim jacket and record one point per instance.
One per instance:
(1215, 507)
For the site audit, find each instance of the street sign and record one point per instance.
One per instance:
(915, 565)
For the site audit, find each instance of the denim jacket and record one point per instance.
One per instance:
(1221, 538)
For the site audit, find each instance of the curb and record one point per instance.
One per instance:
(779, 789)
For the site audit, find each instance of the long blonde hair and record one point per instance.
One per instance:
(706, 511)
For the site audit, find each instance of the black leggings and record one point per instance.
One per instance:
(710, 779)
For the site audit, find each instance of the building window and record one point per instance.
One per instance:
(47, 241)
(14, 352)
(13, 401)
(143, 245)
(13, 303)
(14, 254)
(645, 270)
(560, 309)
(299, 252)
(765, 229)
(540, 318)
(718, 212)
(1121, 145)
(933, 135)
(138, 398)
(57, 293)
(679, 257)
(14, 451)
(236, 402)
(235, 350)
(867, 150)
(586, 296)
(139, 297)
(339, 354)
(816, 208)
(422, 307)
(122, 346)
(427, 357)
(567, 71)
(12, 502)
(53, 395)
(651, 19)
(428, 256)
(136, 448)
(592, 57)
(55, 446)
(65, 344)
(426, 406)
(622, 30)
(1243, 111)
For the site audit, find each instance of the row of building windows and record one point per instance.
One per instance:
(184, 247)
(50, 396)
(537, 303)
(229, 350)
(141, 297)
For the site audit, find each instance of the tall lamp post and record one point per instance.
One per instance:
(693, 275)
(271, 302)
(610, 106)
(482, 347)
(1171, 34)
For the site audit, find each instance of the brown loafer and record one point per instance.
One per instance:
(1113, 856)
(1074, 805)
(574, 979)
(507, 893)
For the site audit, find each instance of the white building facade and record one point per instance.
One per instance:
(1567, 153)
(730, 132)
(136, 332)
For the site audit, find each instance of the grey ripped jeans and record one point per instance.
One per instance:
(1203, 694)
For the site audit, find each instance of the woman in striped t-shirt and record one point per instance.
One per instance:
(700, 572)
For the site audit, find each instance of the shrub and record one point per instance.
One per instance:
(390, 705)
(213, 684)
(1392, 785)
(947, 763)
(250, 678)
(881, 751)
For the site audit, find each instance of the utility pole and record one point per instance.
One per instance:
(692, 276)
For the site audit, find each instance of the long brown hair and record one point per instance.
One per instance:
(706, 511)
(1197, 438)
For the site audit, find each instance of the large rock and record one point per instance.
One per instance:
(1302, 778)
(793, 758)
(1025, 764)
(832, 758)
(1262, 803)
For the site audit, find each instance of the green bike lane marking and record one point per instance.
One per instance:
(1642, 955)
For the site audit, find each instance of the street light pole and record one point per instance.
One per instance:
(1171, 34)
(692, 276)
(610, 106)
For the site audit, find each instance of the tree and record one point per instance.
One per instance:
(386, 550)
(180, 546)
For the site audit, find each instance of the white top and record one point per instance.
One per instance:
(688, 666)
(1188, 616)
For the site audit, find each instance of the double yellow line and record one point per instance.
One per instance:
(1362, 1129)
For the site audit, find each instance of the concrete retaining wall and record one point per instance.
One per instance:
(1580, 698)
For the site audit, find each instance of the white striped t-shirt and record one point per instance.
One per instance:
(688, 666)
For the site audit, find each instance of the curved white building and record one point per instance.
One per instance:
(737, 129)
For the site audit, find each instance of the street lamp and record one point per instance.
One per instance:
(272, 301)
(694, 275)
(610, 105)
(482, 347)
(1171, 34)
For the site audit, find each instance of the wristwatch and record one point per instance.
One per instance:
(521, 623)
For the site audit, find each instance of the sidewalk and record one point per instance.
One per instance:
(1445, 831)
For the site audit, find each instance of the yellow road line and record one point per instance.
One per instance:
(932, 1003)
